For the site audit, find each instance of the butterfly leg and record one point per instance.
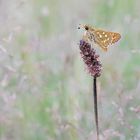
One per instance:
(85, 38)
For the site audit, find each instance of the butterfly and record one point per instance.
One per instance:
(100, 37)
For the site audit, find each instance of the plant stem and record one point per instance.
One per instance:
(95, 105)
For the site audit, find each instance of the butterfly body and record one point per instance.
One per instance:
(100, 37)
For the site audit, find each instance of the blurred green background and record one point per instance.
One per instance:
(45, 90)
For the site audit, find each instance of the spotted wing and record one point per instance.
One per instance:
(104, 39)
(115, 37)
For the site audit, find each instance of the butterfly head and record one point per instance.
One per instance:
(85, 27)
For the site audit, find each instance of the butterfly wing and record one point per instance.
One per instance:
(115, 37)
(104, 39)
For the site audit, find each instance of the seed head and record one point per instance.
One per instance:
(90, 58)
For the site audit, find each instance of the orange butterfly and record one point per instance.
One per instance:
(100, 37)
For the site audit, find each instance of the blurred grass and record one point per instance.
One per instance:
(45, 93)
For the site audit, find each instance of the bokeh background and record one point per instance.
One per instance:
(45, 89)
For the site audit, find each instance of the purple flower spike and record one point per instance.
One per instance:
(91, 59)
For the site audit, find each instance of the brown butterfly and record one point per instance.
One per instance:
(100, 37)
